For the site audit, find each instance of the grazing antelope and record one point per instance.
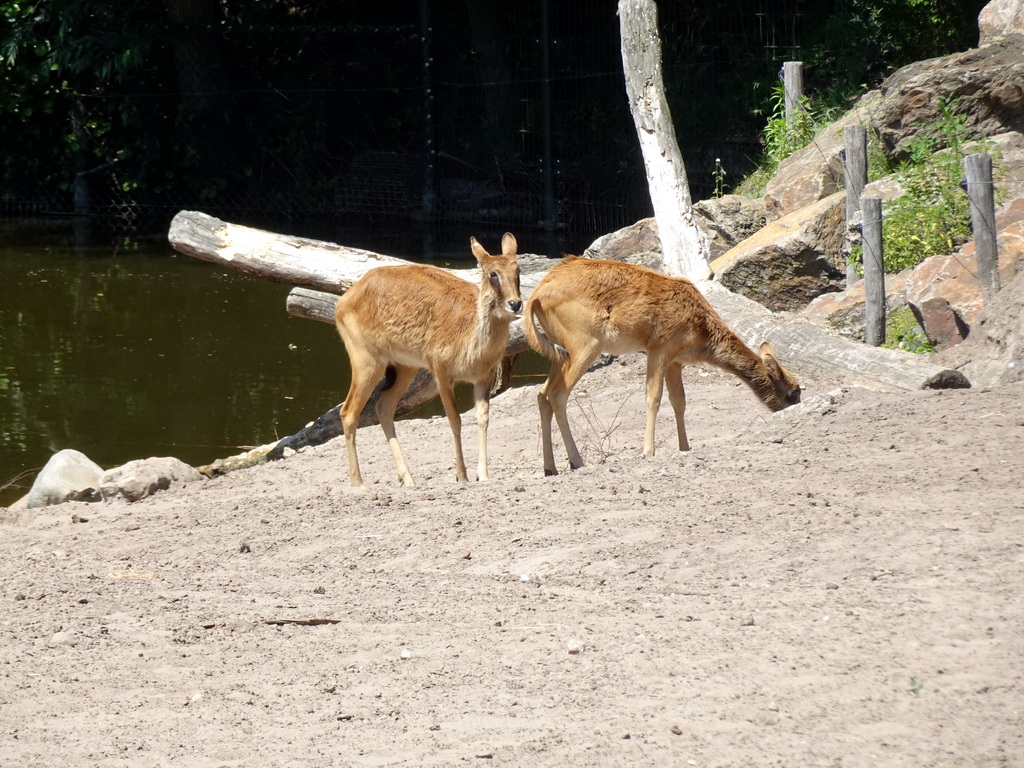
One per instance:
(404, 318)
(589, 306)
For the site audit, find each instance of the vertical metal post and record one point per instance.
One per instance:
(978, 170)
(80, 181)
(547, 161)
(874, 272)
(793, 81)
(428, 199)
(856, 171)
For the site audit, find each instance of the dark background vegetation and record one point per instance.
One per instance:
(418, 110)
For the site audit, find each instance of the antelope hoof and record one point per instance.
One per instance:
(550, 472)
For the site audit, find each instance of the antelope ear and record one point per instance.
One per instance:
(768, 358)
(509, 246)
(478, 250)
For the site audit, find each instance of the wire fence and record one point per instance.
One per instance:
(448, 113)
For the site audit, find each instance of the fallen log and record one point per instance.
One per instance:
(323, 270)
(328, 267)
(281, 258)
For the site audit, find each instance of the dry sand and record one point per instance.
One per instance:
(841, 586)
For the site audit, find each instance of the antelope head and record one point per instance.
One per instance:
(787, 389)
(499, 286)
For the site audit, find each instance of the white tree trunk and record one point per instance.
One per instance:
(684, 245)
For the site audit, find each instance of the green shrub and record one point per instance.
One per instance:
(782, 139)
(902, 331)
(932, 216)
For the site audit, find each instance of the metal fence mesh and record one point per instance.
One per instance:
(514, 115)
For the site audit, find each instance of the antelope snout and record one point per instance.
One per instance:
(515, 306)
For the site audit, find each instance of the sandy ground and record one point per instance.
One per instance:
(841, 586)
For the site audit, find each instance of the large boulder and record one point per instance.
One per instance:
(69, 475)
(988, 81)
(994, 354)
(791, 260)
(729, 220)
(816, 171)
(1000, 18)
(641, 237)
(144, 477)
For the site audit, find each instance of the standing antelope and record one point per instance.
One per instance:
(589, 306)
(408, 317)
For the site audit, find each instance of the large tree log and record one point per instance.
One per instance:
(803, 347)
(281, 258)
(329, 267)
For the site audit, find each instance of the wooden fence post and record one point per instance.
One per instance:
(793, 82)
(978, 170)
(856, 170)
(874, 272)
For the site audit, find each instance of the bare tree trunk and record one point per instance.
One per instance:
(685, 246)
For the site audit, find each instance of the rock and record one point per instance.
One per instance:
(791, 260)
(69, 475)
(729, 220)
(987, 80)
(726, 221)
(144, 477)
(812, 173)
(638, 244)
(993, 354)
(940, 323)
(1008, 158)
(1000, 18)
(20, 505)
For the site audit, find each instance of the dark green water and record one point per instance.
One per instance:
(123, 349)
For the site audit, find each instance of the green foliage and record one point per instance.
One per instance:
(862, 41)
(781, 139)
(932, 216)
(902, 331)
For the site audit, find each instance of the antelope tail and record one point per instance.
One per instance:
(536, 338)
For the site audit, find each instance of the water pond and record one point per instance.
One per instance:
(116, 346)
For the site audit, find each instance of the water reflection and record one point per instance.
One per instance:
(118, 347)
